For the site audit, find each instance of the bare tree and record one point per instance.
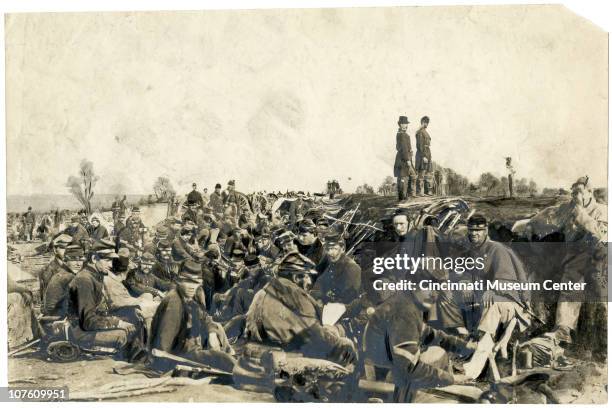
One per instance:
(163, 189)
(81, 186)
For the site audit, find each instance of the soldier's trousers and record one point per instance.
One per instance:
(580, 267)
(424, 182)
(406, 186)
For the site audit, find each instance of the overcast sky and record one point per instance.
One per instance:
(290, 99)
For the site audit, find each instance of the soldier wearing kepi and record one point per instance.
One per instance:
(182, 327)
(340, 282)
(55, 301)
(57, 264)
(141, 280)
(97, 325)
(283, 314)
(404, 168)
(424, 165)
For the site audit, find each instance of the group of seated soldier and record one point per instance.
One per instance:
(219, 275)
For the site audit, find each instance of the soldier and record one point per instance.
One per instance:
(182, 249)
(424, 164)
(29, 219)
(165, 268)
(403, 168)
(55, 301)
(340, 281)
(264, 247)
(397, 337)
(133, 232)
(97, 324)
(239, 297)
(194, 197)
(230, 196)
(283, 313)
(181, 325)
(57, 264)
(77, 231)
(286, 242)
(216, 200)
(498, 308)
(584, 223)
(141, 280)
(97, 231)
(511, 173)
(308, 243)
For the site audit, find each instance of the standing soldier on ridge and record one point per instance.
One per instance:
(423, 158)
(403, 168)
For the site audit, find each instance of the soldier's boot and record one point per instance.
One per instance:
(419, 187)
(401, 189)
(411, 187)
(427, 187)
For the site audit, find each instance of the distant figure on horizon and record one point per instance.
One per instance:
(511, 173)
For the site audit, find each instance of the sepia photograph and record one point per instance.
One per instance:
(327, 205)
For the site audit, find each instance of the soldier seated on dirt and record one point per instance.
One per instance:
(398, 338)
(97, 323)
(55, 301)
(284, 314)
(140, 280)
(182, 327)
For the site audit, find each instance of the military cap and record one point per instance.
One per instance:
(296, 263)
(251, 260)
(147, 258)
(265, 232)
(74, 252)
(334, 237)
(123, 252)
(212, 253)
(94, 217)
(477, 222)
(231, 183)
(186, 230)
(164, 244)
(403, 120)
(135, 209)
(162, 230)
(307, 225)
(218, 185)
(402, 211)
(189, 224)
(104, 248)
(62, 241)
(285, 237)
(237, 253)
(190, 271)
(584, 180)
